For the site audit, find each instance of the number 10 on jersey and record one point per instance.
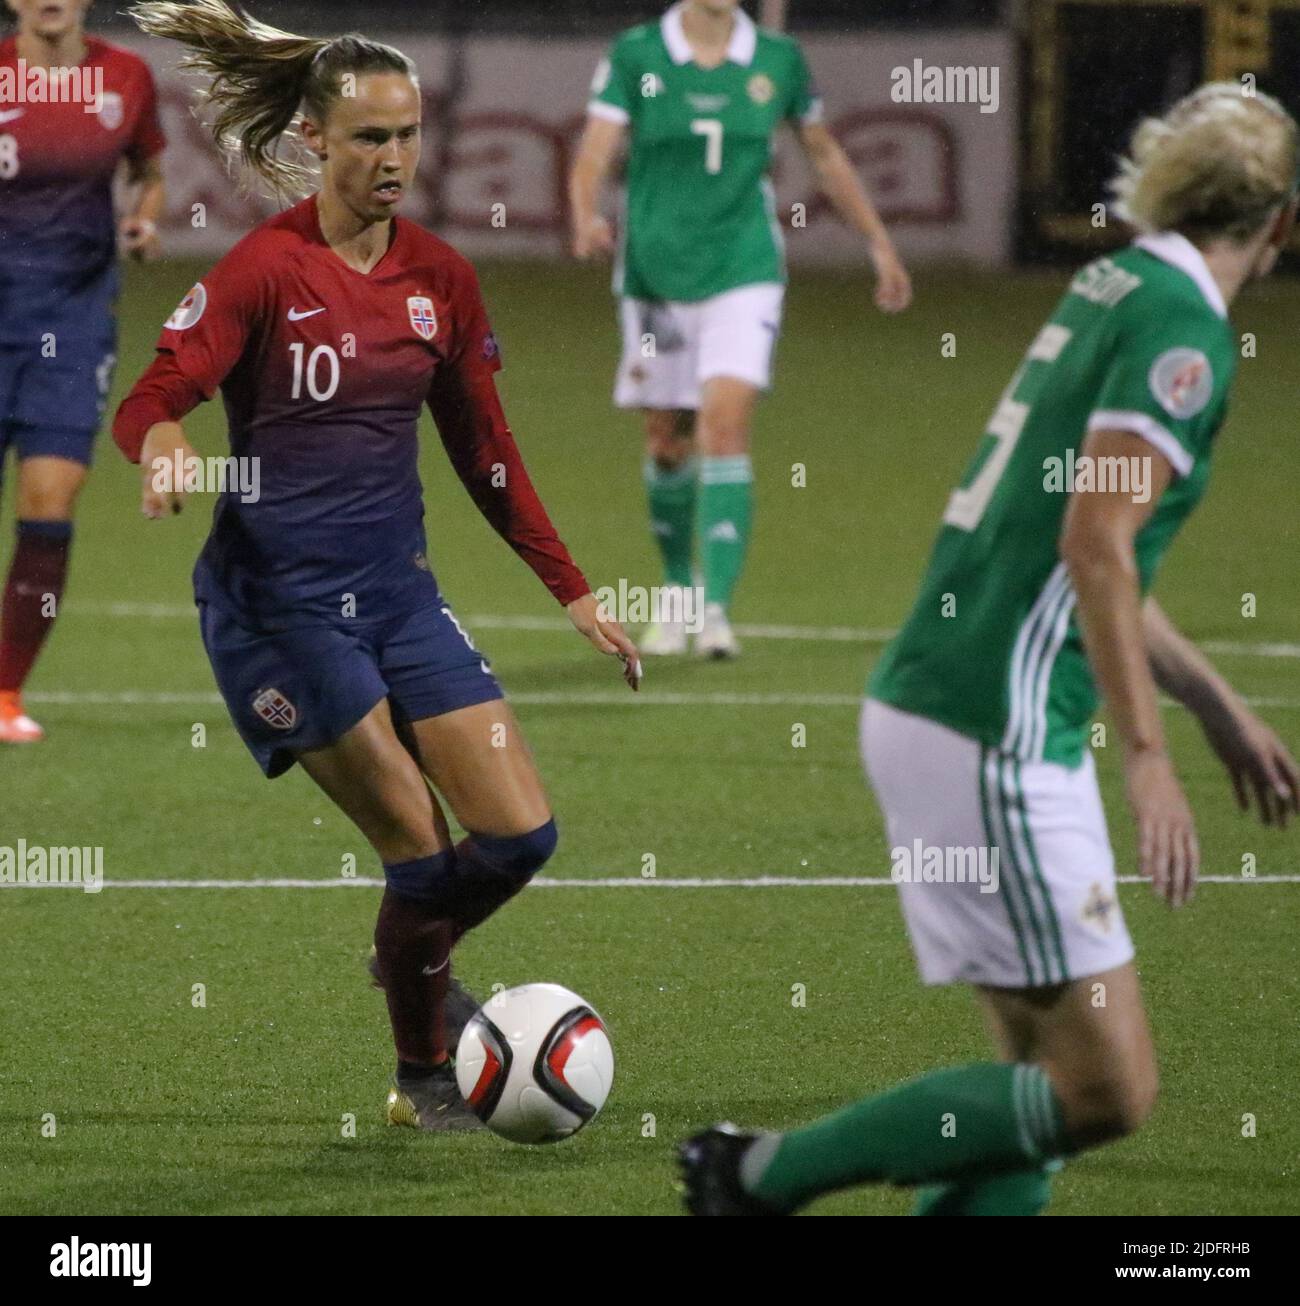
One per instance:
(323, 356)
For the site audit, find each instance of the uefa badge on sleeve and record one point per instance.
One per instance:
(423, 318)
(275, 709)
(1183, 381)
(189, 310)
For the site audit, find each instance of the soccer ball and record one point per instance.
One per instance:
(535, 1063)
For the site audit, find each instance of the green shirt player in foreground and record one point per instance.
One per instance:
(701, 271)
(973, 732)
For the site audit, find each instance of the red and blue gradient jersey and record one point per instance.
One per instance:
(58, 245)
(324, 371)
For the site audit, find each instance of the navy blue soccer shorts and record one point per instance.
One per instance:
(294, 690)
(52, 407)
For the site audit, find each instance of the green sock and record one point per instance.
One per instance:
(967, 1122)
(1019, 1192)
(726, 507)
(672, 516)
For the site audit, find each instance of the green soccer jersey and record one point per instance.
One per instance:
(992, 649)
(701, 215)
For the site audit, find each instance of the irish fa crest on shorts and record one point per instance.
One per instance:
(423, 318)
(275, 709)
(1096, 913)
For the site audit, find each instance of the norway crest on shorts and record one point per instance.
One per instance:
(275, 709)
(423, 318)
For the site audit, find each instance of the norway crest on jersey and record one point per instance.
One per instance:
(110, 111)
(275, 709)
(423, 318)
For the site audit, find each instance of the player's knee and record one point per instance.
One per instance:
(518, 856)
(723, 434)
(665, 461)
(1109, 1107)
(50, 499)
(665, 447)
(47, 511)
(401, 837)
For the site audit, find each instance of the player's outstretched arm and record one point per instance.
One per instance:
(137, 232)
(467, 412)
(147, 429)
(601, 142)
(591, 620)
(844, 189)
(164, 457)
(1097, 547)
(1257, 761)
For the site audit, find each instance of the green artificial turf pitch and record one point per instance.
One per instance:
(239, 1106)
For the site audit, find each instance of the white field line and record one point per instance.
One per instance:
(542, 698)
(627, 882)
(813, 634)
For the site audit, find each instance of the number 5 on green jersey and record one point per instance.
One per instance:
(966, 505)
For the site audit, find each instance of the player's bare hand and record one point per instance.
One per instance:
(138, 239)
(1258, 763)
(591, 619)
(1168, 852)
(593, 238)
(893, 285)
(164, 456)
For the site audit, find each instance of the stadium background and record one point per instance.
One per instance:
(763, 1002)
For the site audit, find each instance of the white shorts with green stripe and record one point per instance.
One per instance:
(671, 349)
(1005, 870)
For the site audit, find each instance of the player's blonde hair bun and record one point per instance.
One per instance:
(1215, 165)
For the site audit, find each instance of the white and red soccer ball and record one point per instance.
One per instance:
(535, 1063)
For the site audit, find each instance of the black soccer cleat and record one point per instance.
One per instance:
(433, 1103)
(710, 1174)
(460, 1006)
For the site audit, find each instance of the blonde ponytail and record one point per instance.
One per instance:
(260, 77)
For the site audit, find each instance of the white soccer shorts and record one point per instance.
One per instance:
(671, 349)
(1053, 914)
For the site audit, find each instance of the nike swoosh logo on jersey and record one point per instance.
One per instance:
(295, 316)
(8, 115)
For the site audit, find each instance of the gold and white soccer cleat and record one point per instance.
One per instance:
(716, 639)
(16, 727)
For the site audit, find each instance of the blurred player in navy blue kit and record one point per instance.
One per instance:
(58, 285)
(326, 330)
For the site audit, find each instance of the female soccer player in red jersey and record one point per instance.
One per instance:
(73, 111)
(326, 329)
